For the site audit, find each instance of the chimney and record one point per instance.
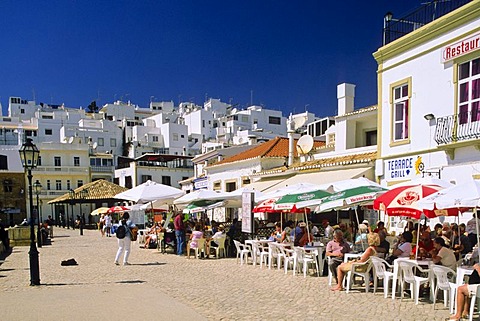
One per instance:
(346, 98)
(290, 132)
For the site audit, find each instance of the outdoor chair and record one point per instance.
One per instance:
(406, 269)
(259, 253)
(289, 259)
(381, 270)
(242, 252)
(305, 259)
(220, 248)
(199, 248)
(474, 300)
(362, 270)
(443, 283)
(274, 253)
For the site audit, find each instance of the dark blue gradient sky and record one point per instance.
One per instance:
(284, 55)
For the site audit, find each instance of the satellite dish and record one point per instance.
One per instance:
(305, 144)
(70, 140)
(299, 122)
(95, 145)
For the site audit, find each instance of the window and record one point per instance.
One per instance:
(100, 141)
(244, 119)
(49, 185)
(3, 162)
(167, 180)
(113, 142)
(39, 161)
(79, 183)
(182, 136)
(76, 161)
(7, 186)
(68, 184)
(469, 91)
(400, 112)
(48, 132)
(175, 137)
(22, 111)
(203, 123)
(47, 117)
(155, 138)
(58, 185)
(371, 138)
(146, 178)
(57, 160)
(274, 120)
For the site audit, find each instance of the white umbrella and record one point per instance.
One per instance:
(461, 196)
(294, 189)
(150, 191)
(200, 195)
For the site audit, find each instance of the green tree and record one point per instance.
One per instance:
(93, 108)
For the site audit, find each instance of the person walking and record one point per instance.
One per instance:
(108, 225)
(179, 232)
(124, 244)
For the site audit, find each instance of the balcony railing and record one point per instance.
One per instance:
(458, 127)
(397, 28)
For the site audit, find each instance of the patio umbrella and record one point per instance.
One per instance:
(457, 198)
(402, 201)
(268, 206)
(300, 200)
(118, 209)
(150, 191)
(99, 211)
(350, 197)
(200, 195)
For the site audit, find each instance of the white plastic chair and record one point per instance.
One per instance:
(199, 247)
(305, 259)
(475, 298)
(381, 270)
(330, 275)
(290, 258)
(220, 248)
(242, 252)
(360, 270)
(274, 253)
(406, 269)
(443, 283)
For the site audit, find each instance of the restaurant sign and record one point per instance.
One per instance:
(461, 48)
(403, 168)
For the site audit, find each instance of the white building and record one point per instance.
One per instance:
(429, 96)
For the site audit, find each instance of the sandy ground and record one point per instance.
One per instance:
(164, 286)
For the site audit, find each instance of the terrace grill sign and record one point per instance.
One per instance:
(461, 48)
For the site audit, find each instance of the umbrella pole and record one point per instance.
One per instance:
(418, 237)
(358, 224)
(476, 225)
(308, 228)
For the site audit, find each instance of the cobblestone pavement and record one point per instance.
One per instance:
(168, 286)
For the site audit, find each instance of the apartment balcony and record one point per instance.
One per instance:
(462, 129)
(62, 170)
(102, 169)
(396, 28)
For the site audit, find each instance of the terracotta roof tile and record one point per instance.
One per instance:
(97, 190)
(277, 147)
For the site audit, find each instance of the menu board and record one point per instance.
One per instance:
(247, 214)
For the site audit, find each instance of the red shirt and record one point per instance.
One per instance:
(178, 223)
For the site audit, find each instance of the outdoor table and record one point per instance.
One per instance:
(461, 272)
(424, 262)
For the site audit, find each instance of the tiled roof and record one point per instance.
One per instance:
(277, 147)
(359, 111)
(361, 158)
(337, 161)
(97, 190)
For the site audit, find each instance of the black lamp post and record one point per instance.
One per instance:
(83, 195)
(72, 198)
(29, 156)
(37, 187)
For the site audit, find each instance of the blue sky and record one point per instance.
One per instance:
(289, 54)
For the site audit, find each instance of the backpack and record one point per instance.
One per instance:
(121, 231)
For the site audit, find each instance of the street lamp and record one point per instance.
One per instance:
(37, 187)
(83, 195)
(71, 193)
(29, 156)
